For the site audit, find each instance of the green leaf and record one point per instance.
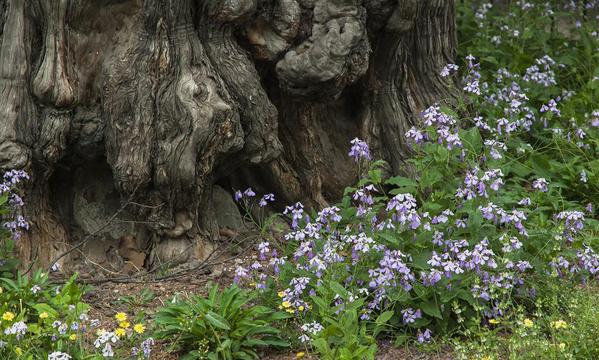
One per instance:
(217, 321)
(375, 176)
(384, 317)
(320, 302)
(401, 181)
(42, 307)
(430, 177)
(401, 339)
(472, 139)
(431, 308)
(224, 345)
(338, 289)
(273, 341)
(393, 240)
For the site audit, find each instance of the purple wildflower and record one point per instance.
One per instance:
(359, 150)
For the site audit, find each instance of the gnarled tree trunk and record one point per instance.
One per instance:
(138, 108)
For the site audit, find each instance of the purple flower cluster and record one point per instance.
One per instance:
(542, 72)
(392, 271)
(540, 184)
(294, 293)
(449, 69)
(475, 185)
(16, 223)
(551, 106)
(585, 263)
(266, 199)
(481, 13)
(402, 208)
(424, 337)
(498, 215)
(472, 79)
(359, 150)
(248, 193)
(18, 329)
(363, 196)
(573, 223)
(297, 213)
(410, 315)
(595, 118)
(443, 125)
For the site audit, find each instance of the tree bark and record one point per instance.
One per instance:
(141, 107)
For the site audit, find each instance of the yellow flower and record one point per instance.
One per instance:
(100, 332)
(1, 290)
(559, 324)
(527, 323)
(300, 354)
(120, 317)
(120, 332)
(8, 316)
(301, 308)
(286, 304)
(124, 324)
(281, 294)
(562, 346)
(494, 321)
(139, 328)
(291, 311)
(73, 337)
(44, 315)
(18, 351)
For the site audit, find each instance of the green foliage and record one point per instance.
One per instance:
(144, 298)
(564, 326)
(38, 319)
(221, 326)
(343, 336)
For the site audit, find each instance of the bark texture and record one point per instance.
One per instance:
(141, 107)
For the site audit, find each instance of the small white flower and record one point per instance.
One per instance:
(107, 351)
(583, 176)
(57, 355)
(304, 338)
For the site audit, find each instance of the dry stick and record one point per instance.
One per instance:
(93, 234)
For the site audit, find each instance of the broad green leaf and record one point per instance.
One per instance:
(217, 321)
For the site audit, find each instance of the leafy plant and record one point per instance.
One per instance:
(342, 336)
(224, 325)
(145, 297)
(39, 320)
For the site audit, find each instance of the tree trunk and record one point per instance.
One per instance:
(127, 113)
